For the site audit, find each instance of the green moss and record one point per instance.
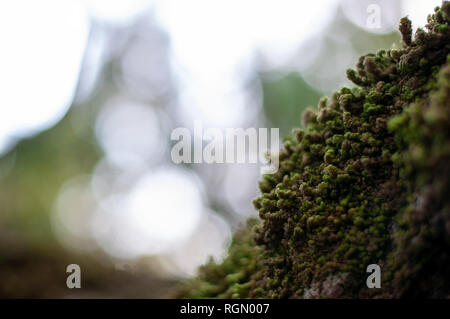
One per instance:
(234, 278)
(366, 181)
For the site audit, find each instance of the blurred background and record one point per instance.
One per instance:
(90, 91)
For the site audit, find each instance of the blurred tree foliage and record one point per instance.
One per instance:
(285, 98)
(40, 165)
(32, 263)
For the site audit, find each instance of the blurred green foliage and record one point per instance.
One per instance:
(285, 99)
(41, 164)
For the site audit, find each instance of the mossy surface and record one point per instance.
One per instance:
(366, 181)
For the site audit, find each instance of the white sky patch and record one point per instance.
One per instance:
(163, 208)
(418, 10)
(94, 58)
(42, 48)
(129, 133)
(386, 12)
(214, 42)
(116, 11)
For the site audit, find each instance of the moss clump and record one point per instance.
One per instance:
(237, 274)
(366, 181)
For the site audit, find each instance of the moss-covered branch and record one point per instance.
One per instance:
(365, 181)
